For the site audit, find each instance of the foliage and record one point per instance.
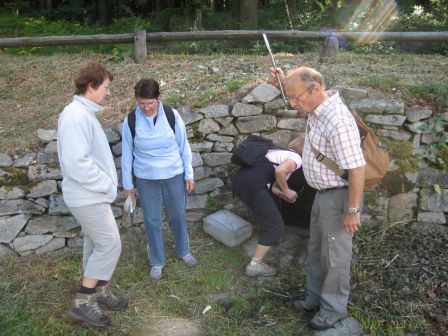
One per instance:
(437, 151)
(26, 18)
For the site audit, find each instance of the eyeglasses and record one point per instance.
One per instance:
(289, 99)
(147, 104)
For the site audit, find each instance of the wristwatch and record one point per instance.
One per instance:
(352, 211)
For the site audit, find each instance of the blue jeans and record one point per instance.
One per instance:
(172, 192)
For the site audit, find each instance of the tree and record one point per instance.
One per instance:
(103, 17)
(248, 14)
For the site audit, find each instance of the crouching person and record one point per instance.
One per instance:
(89, 187)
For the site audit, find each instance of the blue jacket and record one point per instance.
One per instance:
(157, 152)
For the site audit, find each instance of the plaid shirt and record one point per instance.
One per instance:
(332, 129)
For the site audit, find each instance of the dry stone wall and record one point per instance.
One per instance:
(34, 218)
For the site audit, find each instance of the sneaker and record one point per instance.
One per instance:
(84, 308)
(109, 300)
(156, 272)
(300, 305)
(259, 268)
(190, 260)
(322, 321)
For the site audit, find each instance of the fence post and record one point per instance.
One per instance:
(331, 47)
(140, 50)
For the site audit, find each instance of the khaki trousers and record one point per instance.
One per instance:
(329, 254)
(102, 244)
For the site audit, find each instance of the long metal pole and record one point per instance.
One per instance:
(274, 65)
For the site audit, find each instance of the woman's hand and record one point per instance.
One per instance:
(130, 192)
(289, 196)
(189, 185)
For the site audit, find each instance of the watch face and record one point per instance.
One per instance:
(352, 211)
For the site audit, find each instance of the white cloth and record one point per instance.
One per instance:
(88, 169)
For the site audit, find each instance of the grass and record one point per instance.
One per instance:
(36, 290)
(35, 295)
(33, 89)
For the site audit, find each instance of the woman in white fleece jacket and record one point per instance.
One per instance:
(89, 186)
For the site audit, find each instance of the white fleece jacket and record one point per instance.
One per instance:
(88, 169)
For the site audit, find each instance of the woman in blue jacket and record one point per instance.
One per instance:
(159, 157)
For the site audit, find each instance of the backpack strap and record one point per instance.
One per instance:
(131, 123)
(169, 116)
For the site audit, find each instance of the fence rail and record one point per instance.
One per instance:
(289, 35)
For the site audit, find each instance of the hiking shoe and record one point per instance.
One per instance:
(300, 305)
(84, 308)
(190, 260)
(259, 268)
(322, 321)
(156, 273)
(109, 300)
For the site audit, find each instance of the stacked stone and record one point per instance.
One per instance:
(34, 218)
(422, 128)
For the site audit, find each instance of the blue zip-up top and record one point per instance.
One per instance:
(156, 152)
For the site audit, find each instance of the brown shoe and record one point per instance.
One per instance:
(109, 300)
(84, 308)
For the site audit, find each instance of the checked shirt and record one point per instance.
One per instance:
(332, 130)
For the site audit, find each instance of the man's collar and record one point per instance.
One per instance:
(331, 95)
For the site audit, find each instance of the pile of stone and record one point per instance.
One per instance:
(34, 218)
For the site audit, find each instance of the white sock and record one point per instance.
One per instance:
(254, 261)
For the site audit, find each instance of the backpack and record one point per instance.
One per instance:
(252, 151)
(168, 113)
(375, 154)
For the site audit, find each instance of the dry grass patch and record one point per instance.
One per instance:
(35, 88)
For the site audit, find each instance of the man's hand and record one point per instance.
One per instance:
(189, 185)
(352, 222)
(272, 79)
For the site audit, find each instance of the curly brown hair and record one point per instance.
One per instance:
(93, 74)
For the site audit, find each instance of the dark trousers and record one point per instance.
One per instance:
(267, 214)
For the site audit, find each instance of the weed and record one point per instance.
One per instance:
(234, 85)
(206, 98)
(212, 204)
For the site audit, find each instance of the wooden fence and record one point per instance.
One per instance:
(330, 39)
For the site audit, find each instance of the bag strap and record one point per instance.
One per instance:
(168, 113)
(170, 116)
(131, 123)
(327, 162)
(330, 164)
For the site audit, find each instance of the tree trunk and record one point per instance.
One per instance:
(77, 6)
(292, 9)
(49, 8)
(102, 11)
(235, 7)
(248, 14)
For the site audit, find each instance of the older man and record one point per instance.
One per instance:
(335, 217)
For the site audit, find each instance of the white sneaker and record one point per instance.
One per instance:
(156, 273)
(259, 268)
(190, 260)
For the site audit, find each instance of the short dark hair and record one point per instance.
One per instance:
(147, 88)
(93, 74)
